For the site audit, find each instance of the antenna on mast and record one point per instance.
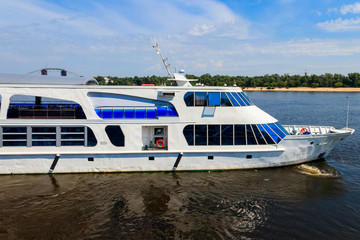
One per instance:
(347, 114)
(158, 51)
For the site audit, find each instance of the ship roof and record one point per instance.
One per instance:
(29, 79)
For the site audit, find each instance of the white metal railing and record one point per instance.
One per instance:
(301, 129)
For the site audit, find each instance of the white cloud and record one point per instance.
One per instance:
(341, 25)
(350, 8)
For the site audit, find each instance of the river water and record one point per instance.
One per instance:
(318, 200)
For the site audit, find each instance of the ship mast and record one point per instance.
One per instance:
(158, 51)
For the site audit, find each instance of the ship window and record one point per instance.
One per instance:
(107, 113)
(277, 130)
(225, 100)
(227, 136)
(151, 113)
(14, 136)
(214, 134)
(172, 112)
(258, 135)
(267, 137)
(232, 99)
(244, 98)
(129, 113)
(189, 99)
(240, 136)
(43, 136)
(189, 134)
(200, 135)
(72, 136)
(118, 113)
(162, 111)
(250, 136)
(115, 135)
(230, 134)
(214, 99)
(200, 99)
(140, 113)
(37, 107)
(48, 136)
(273, 135)
(91, 139)
(281, 128)
(247, 98)
(242, 103)
(137, 112)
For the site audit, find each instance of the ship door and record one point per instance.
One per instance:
(155, 138)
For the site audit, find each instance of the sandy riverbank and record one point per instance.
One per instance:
(301, 89)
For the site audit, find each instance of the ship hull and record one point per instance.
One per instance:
(292, 150)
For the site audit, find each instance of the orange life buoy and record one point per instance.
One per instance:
(160, 143)
(304, 130)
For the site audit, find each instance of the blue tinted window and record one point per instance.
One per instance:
(118, 113)
(172, 112)
(242, 103)
(201, 99)
(107, 113)
(281, 128)
(129, 113)
(243, 98)
(43, 129)
(151, 113)
(43, 143)
(43, 136)
(162, 111)
(225, 100)
(200, 135)
(214, 134)
(232, 99)
(14, 129)
(91, 139)
(258, 135)
(98, 111)
(227, 136)
(250, 136)
(72, 143)
(115, 135)
(14, 144)
(72, 129)
(189, 134)
(277, 130)
(140, 113)
(14, 136)
(240, 136)
(214, 99)
(189, 99)
(267, 137)
(273, 135)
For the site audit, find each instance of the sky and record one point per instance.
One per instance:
(225, 37)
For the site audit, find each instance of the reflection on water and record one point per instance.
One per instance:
(215, 205)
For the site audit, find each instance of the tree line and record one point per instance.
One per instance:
(266, 81)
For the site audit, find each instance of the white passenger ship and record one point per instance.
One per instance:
(71, 125)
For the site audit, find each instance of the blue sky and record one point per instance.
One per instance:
(226, 37)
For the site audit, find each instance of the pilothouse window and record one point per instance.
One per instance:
(221, 99)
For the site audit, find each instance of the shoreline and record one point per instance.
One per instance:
(302, 89)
